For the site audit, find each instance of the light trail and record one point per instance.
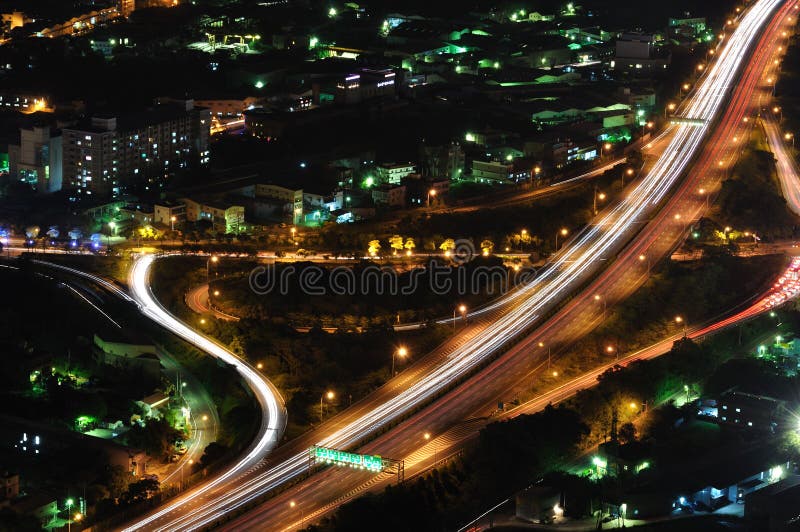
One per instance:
(516, 313)
(273, 419)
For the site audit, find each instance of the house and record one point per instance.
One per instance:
(123, 355)
(750, 411)
(777, 505)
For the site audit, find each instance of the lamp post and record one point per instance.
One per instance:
(329, 395)
(788, 137)
(643, 258)
(679, 320)
(562, 232)
(610, 349)
(703, 192)
(541, 344)
(599, 298)
(69, 503)
(113, 226)
(463, 310)
(402, 352)
(172, 223)
(605, 149)
(214, 259)
(431, 194)
(629, 172)
(427, 437)
(670, 107)
(601, 196)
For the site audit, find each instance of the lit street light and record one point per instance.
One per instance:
(172, 223)
(214, 259)
(601, 196)
(431, 194)
(679, 320)
(541, 344)
(463, 310)
(402, 352)
(329, 395)
(703, 192)
(599, 298)
(563, 232)
(610, 349)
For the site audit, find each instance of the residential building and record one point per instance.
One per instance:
(169, 213)
(224, 217)
(750, 411)
(109, 154)
(389, 195)
(393, 173)
(37, 159)
(498, 172)
(124, 355)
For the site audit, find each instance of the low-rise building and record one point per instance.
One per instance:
(393, 173)
(750, 411)
(224, 217)
(141, 358)
(389, 195)
(169, 213)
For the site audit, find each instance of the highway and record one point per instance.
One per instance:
(495, 326)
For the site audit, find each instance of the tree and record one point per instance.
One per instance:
(374, 247)
(448, 245)
(141, 490)
(487, 246)
(410, 245)
(396, 243)
(627, 433)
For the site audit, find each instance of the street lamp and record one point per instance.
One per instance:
(788, 137)
(610, 349)
(541, 344)
(463, 310)
(427, 437)
(601, 196)
(214, 259)
(599, 298)
(562, 232)
(329, 395)
(69, 503)
(402, 352)
(172, 222)
(113, 227)
(605, 149)
(703, 192)
(643, 258)
(679, 320)
(670, 107)
(629, 173)
(431, 194)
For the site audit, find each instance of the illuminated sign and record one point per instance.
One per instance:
(360, 461)
(385, 83)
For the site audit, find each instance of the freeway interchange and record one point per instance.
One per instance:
(497, 350)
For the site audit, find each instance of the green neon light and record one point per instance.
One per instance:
(362, 461)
